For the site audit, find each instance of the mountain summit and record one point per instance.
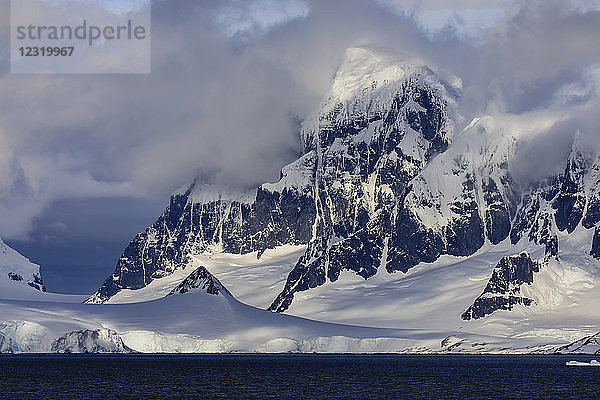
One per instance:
(381, 123)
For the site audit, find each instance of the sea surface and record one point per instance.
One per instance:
(240, 376)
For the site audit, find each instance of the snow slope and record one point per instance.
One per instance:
(20, 279)
(18, 275)
(195, 321)
(418, 311)
(430, 297)
(201, 322)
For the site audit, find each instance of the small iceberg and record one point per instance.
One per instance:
(593, 363)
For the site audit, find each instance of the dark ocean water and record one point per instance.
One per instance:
(295, 376)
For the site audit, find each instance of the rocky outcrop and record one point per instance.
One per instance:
(200, 280)
(37, 283)
(595, 252)
(503, 290)
(90, 341)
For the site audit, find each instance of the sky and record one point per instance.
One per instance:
(87, 161)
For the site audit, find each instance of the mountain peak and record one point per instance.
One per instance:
(367, 85)
(583, 146)
(361, 68)
(364, 67)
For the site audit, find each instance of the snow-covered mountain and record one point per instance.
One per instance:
(17, 273)
(387, 181)
(196, 315)
(400, 215)
(384, 119)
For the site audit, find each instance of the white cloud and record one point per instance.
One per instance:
(224, 105)
(242, 16)
(469, 17)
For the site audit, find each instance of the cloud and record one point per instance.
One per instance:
(468, 17)
(242, 16)
(230, 82)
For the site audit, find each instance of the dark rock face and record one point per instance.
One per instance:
(570, 201)
(36, 283)
(188, 228)
(497, 216)
(586, 345)
(562, 201)
(592, 215)
(354, 225)
(202, 280)
(504, 287)
(596, 244)
(552, 246)
(533, 220)
(526, 217)
(15, 277)
(465, 234)
(412, 243)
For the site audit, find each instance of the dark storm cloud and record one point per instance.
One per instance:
(230, 79)
(547, 59)
(543, 48)
(229, 112)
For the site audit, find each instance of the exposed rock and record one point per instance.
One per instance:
(592, 215)
(570, 201)
(15, 277)
(566, 201)
(451, 343)
(503, 290)
(465, 234)
(497, 216)
(37, 283)
(200, 280)
(596, 244)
